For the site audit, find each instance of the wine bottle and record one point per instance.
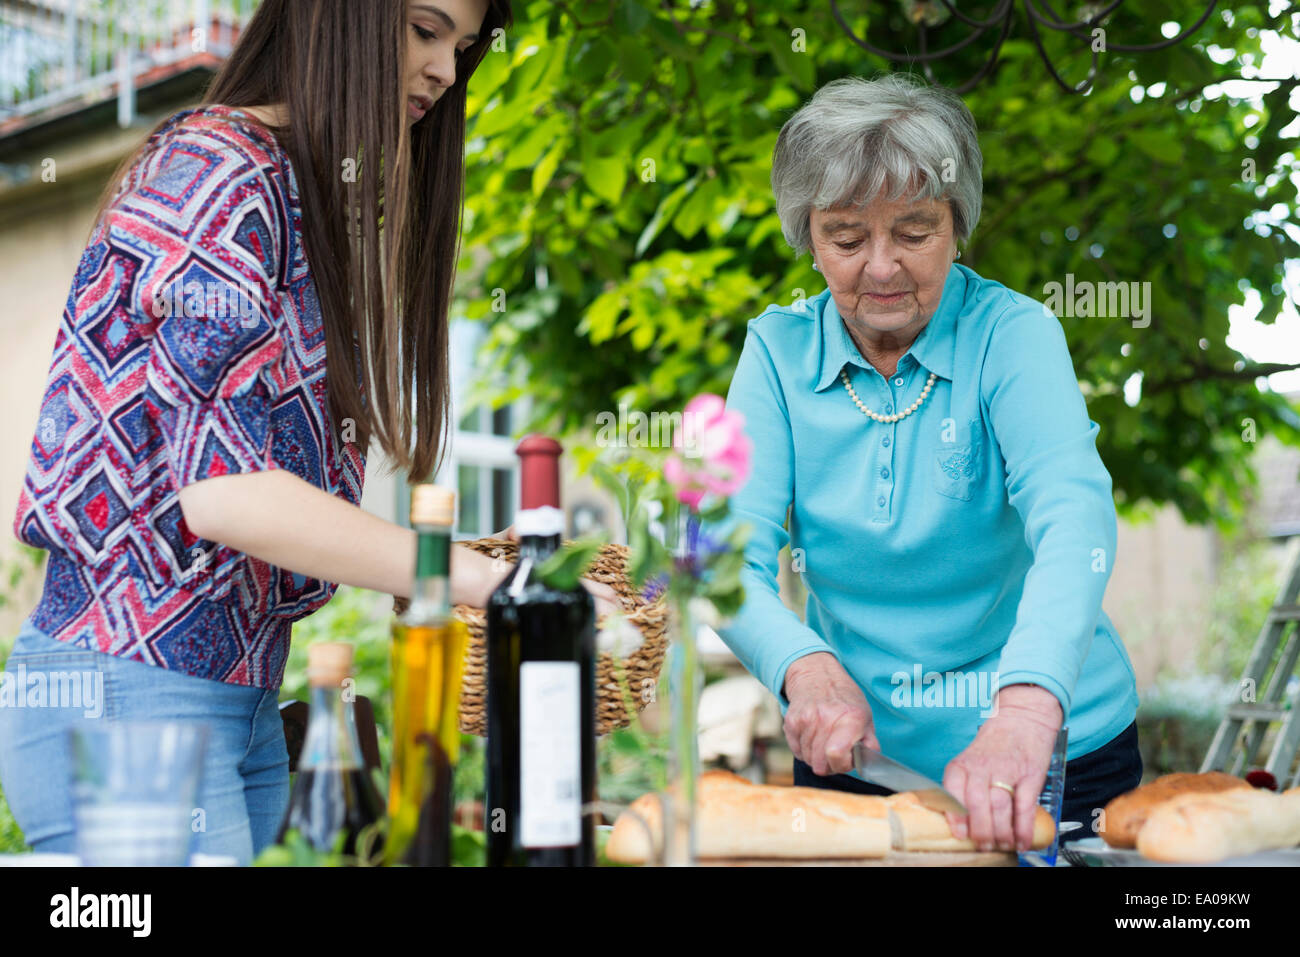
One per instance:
(541, 692)
(428, 662)
(333, 794)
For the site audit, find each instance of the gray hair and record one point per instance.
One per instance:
(857, 137)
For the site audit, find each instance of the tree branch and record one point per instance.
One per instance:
(1206, 373)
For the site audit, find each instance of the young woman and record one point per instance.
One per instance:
(240, 329)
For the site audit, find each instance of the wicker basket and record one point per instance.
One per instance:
(617, 681)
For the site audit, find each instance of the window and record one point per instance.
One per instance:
(486, 473)
(480, 462)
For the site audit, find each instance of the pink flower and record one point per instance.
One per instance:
(712, 454)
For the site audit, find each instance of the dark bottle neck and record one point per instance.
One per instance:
(538, 547)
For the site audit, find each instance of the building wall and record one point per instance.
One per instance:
(1160, 591)
(42, 236)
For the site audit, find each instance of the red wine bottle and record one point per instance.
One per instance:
(332, 794)
(541, 692)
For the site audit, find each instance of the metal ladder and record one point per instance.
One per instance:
(1236, 744)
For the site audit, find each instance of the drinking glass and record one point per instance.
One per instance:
(134, 785)
(1050, 800)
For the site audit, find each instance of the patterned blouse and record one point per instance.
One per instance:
(191, 346)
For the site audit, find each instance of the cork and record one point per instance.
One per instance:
(329, 663)
(433, 505)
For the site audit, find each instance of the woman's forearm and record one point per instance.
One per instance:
(287, 522)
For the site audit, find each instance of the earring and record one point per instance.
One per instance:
(815, 266)
(958, 256)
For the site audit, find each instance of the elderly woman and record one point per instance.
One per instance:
(922, 429)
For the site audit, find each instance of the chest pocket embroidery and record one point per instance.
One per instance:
(957, 468)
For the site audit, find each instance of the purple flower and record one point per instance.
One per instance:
(655, 587)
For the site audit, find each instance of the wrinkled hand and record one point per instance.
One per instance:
(1015, 747)
(828, 714)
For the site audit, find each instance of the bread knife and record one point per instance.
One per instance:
(873, 766)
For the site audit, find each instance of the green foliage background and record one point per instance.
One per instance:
(621, 226)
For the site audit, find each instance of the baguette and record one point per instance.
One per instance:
(1203, 828)
(919, 828)
(737, 819)
(1124, 816)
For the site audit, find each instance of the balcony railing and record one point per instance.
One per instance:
(58, 54)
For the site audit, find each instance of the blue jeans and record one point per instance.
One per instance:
(244, 789)
(1091, 781)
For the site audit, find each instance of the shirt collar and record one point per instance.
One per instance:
(933, 348)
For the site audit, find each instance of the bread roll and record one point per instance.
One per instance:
(1202, 828)
(1123, 817)
(735, 818)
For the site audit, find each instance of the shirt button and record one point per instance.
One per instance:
(898, 381)
(884, 473)
(881, 501)
(889, 409)
(885, 441)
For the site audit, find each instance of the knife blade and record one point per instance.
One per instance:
(873, 766)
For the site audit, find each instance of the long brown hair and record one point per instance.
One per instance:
(321, 59)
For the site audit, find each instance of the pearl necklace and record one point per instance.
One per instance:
(844, 377)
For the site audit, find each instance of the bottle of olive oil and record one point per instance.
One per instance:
(428, 661)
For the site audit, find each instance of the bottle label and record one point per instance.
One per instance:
(550, 754)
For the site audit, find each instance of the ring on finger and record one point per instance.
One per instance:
(1003, 785)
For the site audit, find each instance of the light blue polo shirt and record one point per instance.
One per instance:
(957, 550)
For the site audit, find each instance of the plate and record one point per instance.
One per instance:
(1097, 853)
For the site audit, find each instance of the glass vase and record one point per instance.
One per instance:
(685, 682)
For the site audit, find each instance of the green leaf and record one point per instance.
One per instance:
(798, 66)
(606, 176)
(1160, 146)
(630, 17)
(602, 316)
(663, 214)
(607, 479)
(569, 563)
(697, 209)
(1102, 150)
(531, 146)
(545, 170)
(640, 556)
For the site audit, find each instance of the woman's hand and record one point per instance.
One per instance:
(474, 576)
(605, 597)
(828, 714)
(1014, 747)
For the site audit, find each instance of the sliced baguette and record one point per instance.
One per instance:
(920, 828)
(737, 819)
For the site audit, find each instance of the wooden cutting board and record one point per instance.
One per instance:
(892, 859)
